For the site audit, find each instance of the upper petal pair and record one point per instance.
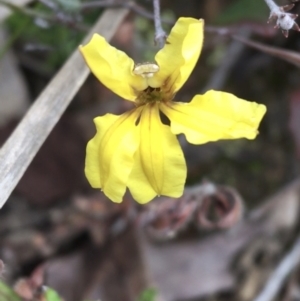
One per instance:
(180, 54)
(176, 61)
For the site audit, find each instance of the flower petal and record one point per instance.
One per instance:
(179, 56)
(213, 116)
(92, 160)
(112, 67)
(110, 154)
(159, 167)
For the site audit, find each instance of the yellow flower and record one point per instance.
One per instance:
(136, 149)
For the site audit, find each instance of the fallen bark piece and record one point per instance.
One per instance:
(199, 266)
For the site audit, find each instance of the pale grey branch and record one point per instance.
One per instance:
(272, 5)
(21, 147)
(286, 266)
(160, 35)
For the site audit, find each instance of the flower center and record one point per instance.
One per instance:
(149, 95)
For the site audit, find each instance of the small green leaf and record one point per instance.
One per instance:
(148, 294)
(7, 293)
(52, 295)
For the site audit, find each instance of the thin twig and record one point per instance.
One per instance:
(23, 144)
(144, 13)
(286, 266)
(272, 5)
(138, 9)
(101, 4)
(130, 5)
(160, 35)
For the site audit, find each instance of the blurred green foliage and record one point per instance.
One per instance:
(7, 294)
(57, 39)
(244, 10)
(51, 295)
(148, 295)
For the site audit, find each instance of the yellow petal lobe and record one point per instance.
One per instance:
(213, 116)
(92, 160)
(110, 154)
(179, 56)
(159, 167)
(113, 68)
